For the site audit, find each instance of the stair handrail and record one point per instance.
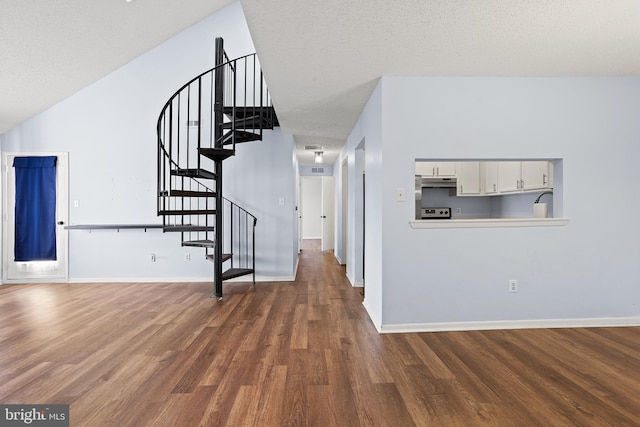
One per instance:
(176, 93)
(232, 244)
(164, 117)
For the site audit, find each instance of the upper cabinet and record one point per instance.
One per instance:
(468, 174)
(517, 177)
(490, 172)
(509, 177)
(436, 169)
(536, 175)
(480, 178)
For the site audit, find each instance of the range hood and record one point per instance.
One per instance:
(431, 182)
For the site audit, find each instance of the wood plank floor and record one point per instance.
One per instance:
(300, 353)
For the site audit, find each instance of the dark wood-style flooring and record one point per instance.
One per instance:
(300, 353)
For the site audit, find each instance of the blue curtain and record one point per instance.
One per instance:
(35, 214)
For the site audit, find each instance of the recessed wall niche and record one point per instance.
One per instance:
(488, 188)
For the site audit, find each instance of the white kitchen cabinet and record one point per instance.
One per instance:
(468, 174)
(516, 177)
(436, 169)
(490, 177)
(509, 177)
(535, 175)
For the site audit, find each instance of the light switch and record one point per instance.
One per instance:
(400, 195)
(281, 201)
(76, 203)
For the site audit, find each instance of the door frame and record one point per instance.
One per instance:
(344, 212)
(62, 215)
(328, 213)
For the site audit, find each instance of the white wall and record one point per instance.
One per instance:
(366, 134)
(109, 131)
(271, 181)
(585, 270)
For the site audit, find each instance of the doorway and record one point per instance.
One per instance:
(328, 203)
(360, 214)
(345, 211)
(316, 210)
(56, 268)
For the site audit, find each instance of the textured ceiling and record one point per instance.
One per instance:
(322, 59)
(326, 56)
(50, 49)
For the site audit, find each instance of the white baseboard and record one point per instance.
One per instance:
(374, 319)
(508, 324)
(141, 280)
(349, 278)
(246, 278)
(353, 282)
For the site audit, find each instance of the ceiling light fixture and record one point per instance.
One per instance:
(318, 158)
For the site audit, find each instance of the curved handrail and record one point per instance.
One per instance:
(228, 62)
(172, 98)
(231, 63)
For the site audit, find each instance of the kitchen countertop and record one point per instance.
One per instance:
(465, 222)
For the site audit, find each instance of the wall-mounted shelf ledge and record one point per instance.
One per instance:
(113, 227)
(489, 222)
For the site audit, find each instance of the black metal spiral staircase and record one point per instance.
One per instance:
(198, 129)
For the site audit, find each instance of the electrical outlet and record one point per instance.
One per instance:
(513, 285)
(187, 257)
(153, 257)
(459, 211)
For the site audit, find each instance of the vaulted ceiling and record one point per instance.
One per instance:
(321, 59)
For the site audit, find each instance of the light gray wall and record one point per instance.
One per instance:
(258, 178)
(109, 131)
(584, 270)
(363, 150)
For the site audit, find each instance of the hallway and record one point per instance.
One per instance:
(296, 353)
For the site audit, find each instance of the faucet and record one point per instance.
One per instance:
(542, 194)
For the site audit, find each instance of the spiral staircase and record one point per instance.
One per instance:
(197, 130)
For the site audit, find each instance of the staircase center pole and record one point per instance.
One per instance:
(218, 131)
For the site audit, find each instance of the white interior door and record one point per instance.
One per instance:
(328, 192)
(311, 207)
(345, 202)
(34, 271)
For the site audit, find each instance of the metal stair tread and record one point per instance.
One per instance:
(187, 212)
(194, 173)
(268, 114)
(187, 228)
(236, 272)
(240, 136)
(199, 243)
(187, 193)
(217, 153)
(225, 257)
(246, 123)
